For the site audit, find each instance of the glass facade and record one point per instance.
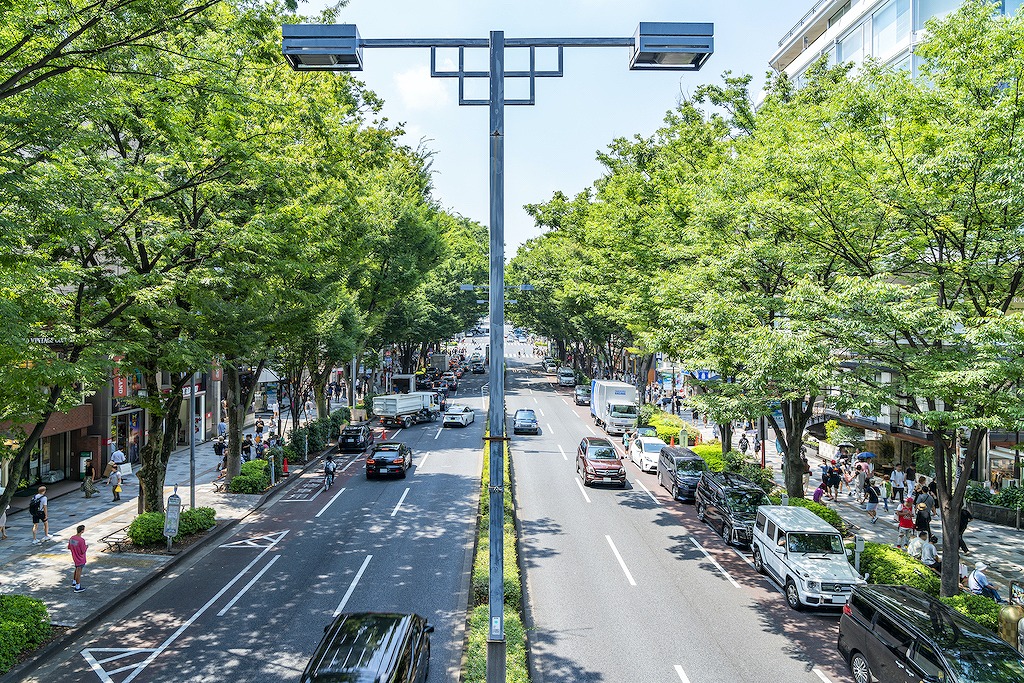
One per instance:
(851, 47)
(889, 27)
(926, 9)
(1011, 6)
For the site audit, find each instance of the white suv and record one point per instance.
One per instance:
(805, 555)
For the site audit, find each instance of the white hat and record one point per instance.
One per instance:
(981, 566)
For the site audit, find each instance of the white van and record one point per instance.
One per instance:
(805, 555)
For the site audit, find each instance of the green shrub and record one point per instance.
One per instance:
(983, 610)
(1009, 497)
(647, 412)
(248, 484)
(762, 476)
(978, 493)
(924, 461)
(30, 614)
(885, 564)
(195, 520)
(276, 454)
(12, 643)
(712, 456)
(147, 529)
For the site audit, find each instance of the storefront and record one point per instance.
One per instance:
(126, 420)
(53, 458)
(1004, 465)
(201, 419)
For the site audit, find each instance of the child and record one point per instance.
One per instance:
(905, 516)
(819, 492)
(115, 483)
(77, 546)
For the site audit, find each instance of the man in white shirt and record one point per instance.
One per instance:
(898, 480)
(929, 555)
(116, 458)
(979, 584)
(914, 549)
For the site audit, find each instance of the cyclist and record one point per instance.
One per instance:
(329, 468)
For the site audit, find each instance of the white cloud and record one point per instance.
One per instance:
(419, 91)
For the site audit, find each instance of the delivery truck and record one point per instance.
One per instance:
(405, 410)
(614, 406)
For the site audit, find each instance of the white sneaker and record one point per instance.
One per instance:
(35, 541)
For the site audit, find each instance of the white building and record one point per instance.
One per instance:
(850, 30)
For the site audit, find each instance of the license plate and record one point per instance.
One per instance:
(607, 479)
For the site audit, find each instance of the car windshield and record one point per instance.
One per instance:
(582, 391)
(653, 446)
(387, 447)
(830, 544)
(602, 453)
(622, 411)
(986, 666)
(526, 415)
(646, 431)
(352, 431)
(746, 502)
(688, 466)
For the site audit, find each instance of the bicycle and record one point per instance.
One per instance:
(328, 480)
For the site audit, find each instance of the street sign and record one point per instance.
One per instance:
(703, 375)
(172, 517)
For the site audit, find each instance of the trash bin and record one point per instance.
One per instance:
(82, 457)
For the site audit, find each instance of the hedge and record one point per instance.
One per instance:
(148, 528)
(24, 625)
(669, 427)
(823, 511)
(736, 463)
(254, 477)
(983, 610)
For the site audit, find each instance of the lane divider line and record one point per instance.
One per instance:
(541, 411)
(744, 558)
(438, 432)
(590, 429)
(582, 490)
(534, 398)
(352, 586)
(400, 501)
(714, 562)
(422, 462)
(395, 435)
(647, 491)
(682, 674)
(550, 430)
(249, 585)
(822, 675)
(324, 508)
(622, 563)
(564, 456)
(564, 401)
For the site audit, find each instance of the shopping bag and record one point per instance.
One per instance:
(125, 469)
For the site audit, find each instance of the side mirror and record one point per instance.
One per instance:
(428, 629)
(849, 553)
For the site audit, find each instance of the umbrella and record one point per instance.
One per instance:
(864, 455)
(845, 444)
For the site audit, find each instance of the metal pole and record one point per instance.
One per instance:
(192, 442)
(496, 410)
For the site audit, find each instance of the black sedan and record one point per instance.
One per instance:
(388, 457)
(525, 422)
(355, 439)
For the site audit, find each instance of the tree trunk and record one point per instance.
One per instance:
(795, 415)
(26, 447)
(641, 376)
(726, 431)
(238, 397)
(950, 491)
(161, 438)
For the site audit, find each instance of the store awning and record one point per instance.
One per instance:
(268, 375)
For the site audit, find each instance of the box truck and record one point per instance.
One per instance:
(406, 410)
(614, 406)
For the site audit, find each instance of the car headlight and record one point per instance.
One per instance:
(814, 586)
(590, 469)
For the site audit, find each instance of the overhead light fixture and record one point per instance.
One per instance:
(672, 46)
(322, 47)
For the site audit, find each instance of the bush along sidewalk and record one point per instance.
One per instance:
(736, 463)
(668, 426)
(515, 635)
(254, 477)
(24, 626)
(148, 528)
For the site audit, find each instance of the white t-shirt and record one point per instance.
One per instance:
(117, 456)
(42, 503)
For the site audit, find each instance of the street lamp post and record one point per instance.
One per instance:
(659, 46)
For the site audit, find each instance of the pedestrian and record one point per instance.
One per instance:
(979, 584)
(859, 479)
(871, 500)
(806, 466)
(819, 492)
(755, 445)
(78, 546)
(116, 459)
(910, 478)
(898, 479)
(835, 477)
(219, 448)
(916, 543)
(259, 427)
(115, 484)
(905, 522)
(89, 479)
(3, 523)
(886, 489)
(923, 519)
(744, 444)
(246, 448)
(222, 428)
(39, 510)
(965, 519)
(929, 556)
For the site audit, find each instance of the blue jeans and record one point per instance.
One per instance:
(990, 592)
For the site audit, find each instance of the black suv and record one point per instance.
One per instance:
(679, 471)
(355, 439)
(899, 633)
(371, 646)
(729, 503)
(388, 457)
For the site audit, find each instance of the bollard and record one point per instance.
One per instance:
(858, 548)
(785, 499)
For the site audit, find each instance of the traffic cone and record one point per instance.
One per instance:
(284, 467)
(383, 434)
(672, 441)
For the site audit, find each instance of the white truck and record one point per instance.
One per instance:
(406, 410)
(614, 405)
(439, 361)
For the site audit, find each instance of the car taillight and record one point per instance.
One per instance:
(846, 610)
(399, 461)
(371, 461)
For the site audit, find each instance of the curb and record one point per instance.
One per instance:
(44, 654)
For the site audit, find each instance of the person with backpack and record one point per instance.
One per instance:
(37, 507)
(871, 494)
(329, 469)
(744, 444)
(219, 448)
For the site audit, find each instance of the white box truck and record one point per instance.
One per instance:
(614, 406)
(406, 410)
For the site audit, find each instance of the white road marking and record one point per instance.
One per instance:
(712, 560)
(531, 393)
(590, 429)
(423, 461)
(249, 585)
(564, 456)
(582, 490)
(324, 508)
(550, 430)
(534, 398)
(647, 491)
(744, 558)
(352, 586)
(682, 674)
(622, 564)
(822, 676)
(541, 411)
(395, 435)
(564, 401)
(400, 501)
(104, 676)
(438, 431)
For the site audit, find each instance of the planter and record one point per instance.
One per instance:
(358, 415)
(995, 514)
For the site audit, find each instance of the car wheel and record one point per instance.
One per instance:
(675, 491)
(700, 512)
(407, 422)
(860, 669)
(727, 533)
(758, 561)
(793, 596)
(401, 473)
(369, 476)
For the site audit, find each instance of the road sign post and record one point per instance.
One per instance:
(172, 517)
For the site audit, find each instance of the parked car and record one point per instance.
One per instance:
(644, 450)
(525, 421)
(550, 367)
(478, 369)
(372, 646)
(805, 555)
(679, 470)
(729, 503)
(453, 382)
(597, 462)
(458, 415)
(899, 633)
(566, 377)
(581, 395)
(355, 439)
(389, 457)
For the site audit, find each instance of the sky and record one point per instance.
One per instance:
(552, 145)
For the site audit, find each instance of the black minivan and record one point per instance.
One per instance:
(899, 634)
(372, 646)
(679, 471)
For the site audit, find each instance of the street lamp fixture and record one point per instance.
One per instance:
(658, 46)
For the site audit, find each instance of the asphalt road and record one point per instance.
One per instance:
(254, 607)
(627, 585)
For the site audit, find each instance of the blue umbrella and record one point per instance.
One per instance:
(864, 455)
